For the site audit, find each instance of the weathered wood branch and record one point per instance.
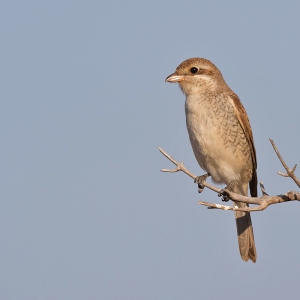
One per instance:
(289, 172)
(261, 202)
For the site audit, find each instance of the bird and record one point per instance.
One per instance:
(221, 138)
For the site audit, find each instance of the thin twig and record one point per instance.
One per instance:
(181, 167)
(261, 202)
(262, 187)
(289, 172)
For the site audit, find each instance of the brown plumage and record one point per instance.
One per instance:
(221, 137)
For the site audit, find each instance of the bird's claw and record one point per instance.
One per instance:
(200, 181)
(225, 196)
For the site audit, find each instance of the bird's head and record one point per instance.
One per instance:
(197, 75)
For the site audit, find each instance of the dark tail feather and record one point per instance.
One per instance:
(245, 234)
(244, 225)
(253, 184)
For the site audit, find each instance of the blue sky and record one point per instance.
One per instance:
(85, 212)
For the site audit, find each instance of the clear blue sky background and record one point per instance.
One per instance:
(85, 212)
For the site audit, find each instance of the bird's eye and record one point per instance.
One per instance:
(194, 70)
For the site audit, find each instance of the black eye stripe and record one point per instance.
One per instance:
(194, 70)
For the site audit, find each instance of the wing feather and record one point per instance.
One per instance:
(245, 123)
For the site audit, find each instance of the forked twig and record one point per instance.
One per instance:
(261, 202)
(289, 172)
(181, 167)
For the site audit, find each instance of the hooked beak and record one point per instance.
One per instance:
(175, 78)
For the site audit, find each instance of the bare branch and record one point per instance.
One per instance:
(181, 167)
(262, 187)
(260, 202)
(289, 172)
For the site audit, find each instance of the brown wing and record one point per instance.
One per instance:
(245, 123)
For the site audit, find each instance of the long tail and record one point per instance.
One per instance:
(245, 232)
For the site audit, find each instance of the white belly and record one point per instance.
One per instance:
(217, 138)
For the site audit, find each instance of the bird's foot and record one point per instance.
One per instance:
(224, 195)
(200, 180)
(229, 187)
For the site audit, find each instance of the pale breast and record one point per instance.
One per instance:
(217, 138)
